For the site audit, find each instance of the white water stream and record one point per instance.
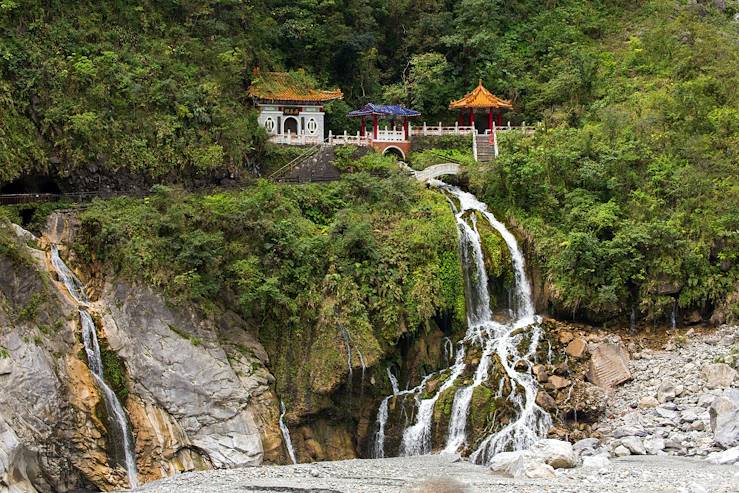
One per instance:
(493, 338)
(286, 434)
(95, 362)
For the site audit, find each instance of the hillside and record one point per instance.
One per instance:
(200, 314)
(630, 195)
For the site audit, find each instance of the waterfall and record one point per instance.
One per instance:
(116, 413)
(393, 382)
(286, 434)
(70, 281)
(494, 339)
(348, 347)
(112, 404)
(382, 413)
(448, 350)
(417, 438)
(673, 315)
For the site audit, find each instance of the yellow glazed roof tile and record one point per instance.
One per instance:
(480, 98)
(289, 86)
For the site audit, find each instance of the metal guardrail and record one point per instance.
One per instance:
(31, 198)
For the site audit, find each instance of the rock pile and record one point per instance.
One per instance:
(681, 401)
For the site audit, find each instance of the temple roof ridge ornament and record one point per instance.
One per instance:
(480, 98)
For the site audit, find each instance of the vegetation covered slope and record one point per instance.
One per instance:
(630, 194)
(368, 259)
(635, 204)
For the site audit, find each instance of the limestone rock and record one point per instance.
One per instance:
(565, 337)
(625, 431)
(577, 347)
(634, 444)
(718, 375)
(545, 401)
(556, 453)
(598, 462)
(730, 456)
(558, 382)
(194, 382)
(648, 402)
(521, 464)
(666, 392)
(585, 444)
(654, 445)
(724, 416)
(609, 365)
(532, 469)
(621, 451)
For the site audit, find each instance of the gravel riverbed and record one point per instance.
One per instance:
(429, 473)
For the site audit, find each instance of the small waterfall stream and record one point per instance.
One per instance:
(494, 339)
(286, 434)
(118, 419)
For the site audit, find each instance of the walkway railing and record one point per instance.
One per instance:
(30, 198)
(296, 139)
(457, 129)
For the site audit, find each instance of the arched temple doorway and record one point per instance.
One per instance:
(291, 125)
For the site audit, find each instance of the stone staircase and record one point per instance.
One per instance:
(485, 150)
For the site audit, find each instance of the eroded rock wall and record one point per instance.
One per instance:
(197, 390)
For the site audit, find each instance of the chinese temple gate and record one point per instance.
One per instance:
(290, 106)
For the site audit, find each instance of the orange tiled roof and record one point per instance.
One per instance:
(480, 98)
(289, 86)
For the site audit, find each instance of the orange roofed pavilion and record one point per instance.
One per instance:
(478, 100)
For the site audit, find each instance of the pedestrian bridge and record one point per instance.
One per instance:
(437, 170)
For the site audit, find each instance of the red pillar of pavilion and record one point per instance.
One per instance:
(500, 118)
(472, 118)
(405, 128)
(364, 126)
(374, 121)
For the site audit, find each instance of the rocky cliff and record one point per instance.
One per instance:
(195, 388)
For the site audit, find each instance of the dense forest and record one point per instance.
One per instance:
(629, 190)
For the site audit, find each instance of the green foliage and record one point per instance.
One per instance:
(114, 372)
(4, 353)
(10, 246)
(643, 191)
(29, 312)
(423, 159)
(195, 341)
(373, 163)
(128, 85)
(376, 257)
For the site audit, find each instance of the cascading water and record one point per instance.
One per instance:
(286, 434)
(494, 338)
(382, 413)
(116, 413)
(70, 281)
(112, 404)
(417, 438)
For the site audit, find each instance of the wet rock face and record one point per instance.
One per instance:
(198, 391)
(41, 448)
(178, 367)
